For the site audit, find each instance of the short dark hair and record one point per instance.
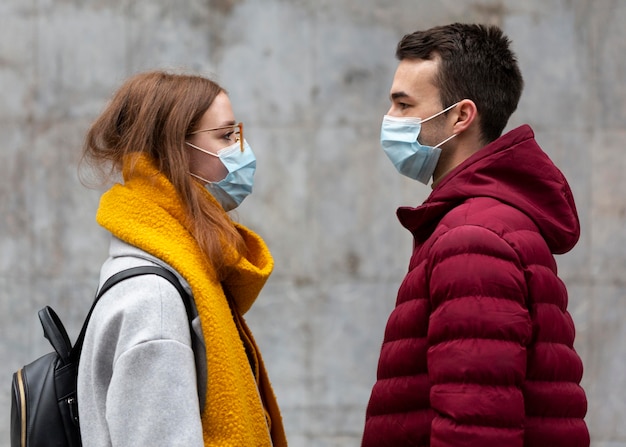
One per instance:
(475, 63)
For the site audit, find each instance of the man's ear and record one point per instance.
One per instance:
(466, 114)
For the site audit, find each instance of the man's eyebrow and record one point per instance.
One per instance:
(398, 95)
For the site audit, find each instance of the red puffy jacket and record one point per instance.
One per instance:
(479, 349)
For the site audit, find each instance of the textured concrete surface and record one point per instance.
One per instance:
(310, 79)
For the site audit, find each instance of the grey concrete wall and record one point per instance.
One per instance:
(310, 79)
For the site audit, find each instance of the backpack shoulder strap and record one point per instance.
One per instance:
(149, 270)
(190, 307)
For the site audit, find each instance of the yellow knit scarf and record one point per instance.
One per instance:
(146, 212)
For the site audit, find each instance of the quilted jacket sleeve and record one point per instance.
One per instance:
(478, 332)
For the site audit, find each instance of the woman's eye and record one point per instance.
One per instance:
(229, 135)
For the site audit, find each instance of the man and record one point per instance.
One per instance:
(479, 349)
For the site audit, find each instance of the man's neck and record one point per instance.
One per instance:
(449, 160)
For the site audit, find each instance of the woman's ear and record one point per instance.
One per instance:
(466, 114)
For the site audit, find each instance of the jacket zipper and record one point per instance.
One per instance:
(20, 385)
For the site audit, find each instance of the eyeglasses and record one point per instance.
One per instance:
(236, 131)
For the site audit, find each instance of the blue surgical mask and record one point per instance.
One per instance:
(237, 185)
(398, 137)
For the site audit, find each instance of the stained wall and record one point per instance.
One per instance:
(310, 79)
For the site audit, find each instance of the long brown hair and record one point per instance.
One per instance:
(151, 114)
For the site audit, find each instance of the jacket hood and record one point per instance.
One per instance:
(514, 170)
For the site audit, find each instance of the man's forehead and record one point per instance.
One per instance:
(413, 77)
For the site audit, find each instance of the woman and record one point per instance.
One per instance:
(184, 164)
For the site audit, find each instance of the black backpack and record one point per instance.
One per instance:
(44, 409)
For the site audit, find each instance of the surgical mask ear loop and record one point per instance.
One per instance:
(200, 149)
(439, 113)
(445, 141)
(206, 152)
(436, 115)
